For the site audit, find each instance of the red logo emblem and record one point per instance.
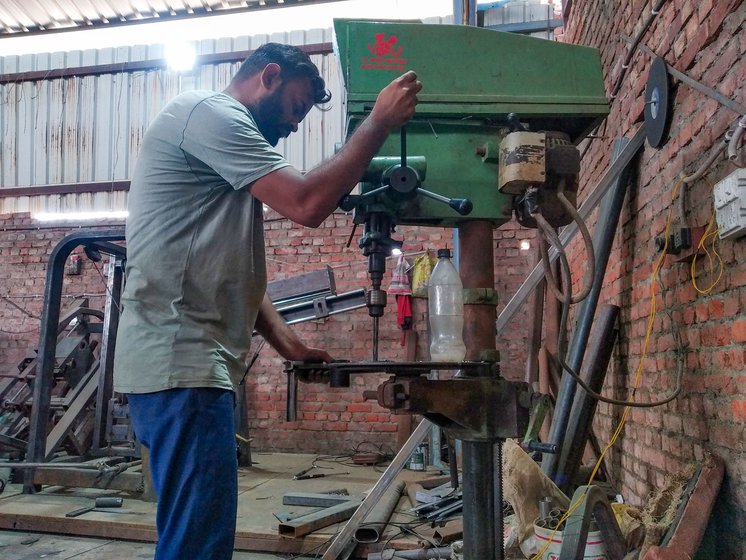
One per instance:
(385, 54)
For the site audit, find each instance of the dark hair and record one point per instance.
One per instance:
(294, 63)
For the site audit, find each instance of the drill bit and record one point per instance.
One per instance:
(375, 339)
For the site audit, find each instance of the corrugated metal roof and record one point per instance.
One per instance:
(43, 16)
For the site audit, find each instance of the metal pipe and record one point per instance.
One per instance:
(604, 238)
(106, 355)
(733, 145)
(476, 267)
(477, 270)
(584, 407)
(497, 451)
(375, 522)
(628, 58)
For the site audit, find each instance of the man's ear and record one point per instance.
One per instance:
(270, 76)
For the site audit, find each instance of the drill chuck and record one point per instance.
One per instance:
(376, 302)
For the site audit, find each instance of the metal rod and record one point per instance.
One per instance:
(569, 231)
(375, 339)
(604, 239)
(584, 406)
(694, 84)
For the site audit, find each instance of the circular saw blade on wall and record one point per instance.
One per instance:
(657, 97)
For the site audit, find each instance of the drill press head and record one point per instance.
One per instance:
(468, 153)
(479, 86)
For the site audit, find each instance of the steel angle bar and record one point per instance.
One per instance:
(77, 407)
(342, 541)
(323, 307)
(569, 231)
(444, 512)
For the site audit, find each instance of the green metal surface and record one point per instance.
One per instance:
(453, 170)
(472, 79)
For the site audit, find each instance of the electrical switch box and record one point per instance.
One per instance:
(730, 205)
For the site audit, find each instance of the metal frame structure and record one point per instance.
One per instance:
(94, 243)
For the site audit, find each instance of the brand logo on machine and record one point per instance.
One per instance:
(385, 54)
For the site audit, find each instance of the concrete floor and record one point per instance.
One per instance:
(15, 545)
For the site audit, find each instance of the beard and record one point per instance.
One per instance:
(267, 117)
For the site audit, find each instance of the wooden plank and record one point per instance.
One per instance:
(88, 478)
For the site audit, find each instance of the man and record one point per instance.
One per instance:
(196, 277)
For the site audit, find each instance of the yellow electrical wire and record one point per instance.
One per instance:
(711, 233)
(638, 374)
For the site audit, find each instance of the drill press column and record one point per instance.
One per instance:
(482, 486)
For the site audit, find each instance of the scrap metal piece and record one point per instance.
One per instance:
(593, 504)
(314, 499)
(304, 524)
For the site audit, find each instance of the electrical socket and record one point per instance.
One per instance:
(678, 241)
(682, 239)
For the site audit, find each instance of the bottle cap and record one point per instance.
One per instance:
(444, 253)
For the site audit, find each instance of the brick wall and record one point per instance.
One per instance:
(706, 40)
(335, 420)
(25, 246)
(329, 420)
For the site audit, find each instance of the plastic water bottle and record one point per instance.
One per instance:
(445, 294)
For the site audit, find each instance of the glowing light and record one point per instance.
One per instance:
(395, 252)
(180, 56)
(80, 216)
(525, 245)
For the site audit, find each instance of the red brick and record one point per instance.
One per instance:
(738, 330)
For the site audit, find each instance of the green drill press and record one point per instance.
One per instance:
(495, 135)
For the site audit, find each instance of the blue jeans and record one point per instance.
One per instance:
(191, 439)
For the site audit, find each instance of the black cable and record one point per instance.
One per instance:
(559, 358)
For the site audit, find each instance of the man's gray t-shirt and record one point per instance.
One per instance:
(195, 273)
